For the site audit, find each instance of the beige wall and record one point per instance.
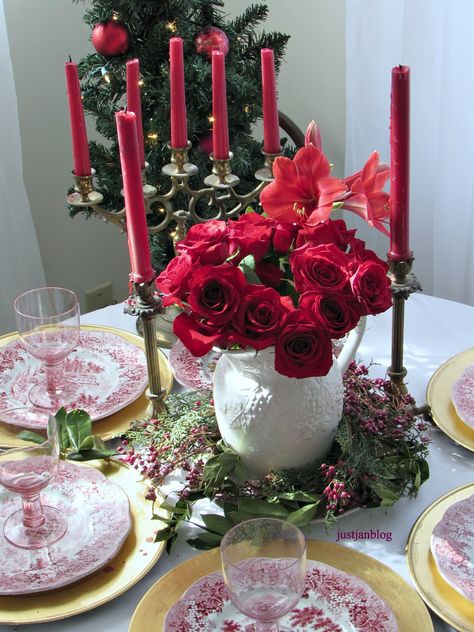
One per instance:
(312, 79)
(77, 254)
(82, 254)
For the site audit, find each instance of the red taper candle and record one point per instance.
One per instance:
(179, 128)
(400, 164)
(134, 102)
(135, 212)
(80, 146)
(220, 128)
(271, 126)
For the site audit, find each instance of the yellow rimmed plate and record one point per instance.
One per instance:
(438, 396)
(411, 613)
(446, 602)
(136, 558)
(119, 421)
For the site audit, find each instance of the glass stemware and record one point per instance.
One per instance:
(27, 471)
(48, 324)
(264, 568)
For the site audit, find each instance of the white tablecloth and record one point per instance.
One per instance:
(435, 330)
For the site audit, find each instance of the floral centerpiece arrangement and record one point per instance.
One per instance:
(291, 277)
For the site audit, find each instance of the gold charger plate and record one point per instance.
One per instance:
(438, 396)
(136, 558)
(120, 421)
(448, 604)
(411, 613)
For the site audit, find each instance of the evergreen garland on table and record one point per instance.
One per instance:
(150, 25)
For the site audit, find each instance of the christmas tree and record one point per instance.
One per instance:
(125, 29)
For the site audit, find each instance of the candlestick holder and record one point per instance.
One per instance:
(146, 304)
(219, 195)
(404, 283)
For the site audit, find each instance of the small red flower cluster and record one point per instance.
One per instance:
(257, 282)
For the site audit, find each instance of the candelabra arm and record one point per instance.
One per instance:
(146, 304)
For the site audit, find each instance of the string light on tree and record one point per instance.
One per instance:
(105, 74)
(171, 26)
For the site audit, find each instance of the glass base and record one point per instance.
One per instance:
(52, 529)
(40, 397)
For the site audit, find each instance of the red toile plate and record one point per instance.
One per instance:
(462, 394)
(333, 600)
(110, 371)
(99, 521)
(452, 546)
(190, 372)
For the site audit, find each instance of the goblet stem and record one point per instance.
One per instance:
(33, 516)
(268, 626)
(54, 377)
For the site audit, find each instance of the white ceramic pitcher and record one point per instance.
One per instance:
(275, 422)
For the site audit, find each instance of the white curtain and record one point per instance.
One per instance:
(435, 38)
(21, 268)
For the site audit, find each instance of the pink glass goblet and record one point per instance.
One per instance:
(26, 471)
(48, 324)
(264, 568)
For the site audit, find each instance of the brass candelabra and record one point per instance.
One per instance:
(219, 195)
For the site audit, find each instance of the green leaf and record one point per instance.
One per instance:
(62, 430)
(388, 492)
(303, 516)
(216, 523)
(87, 444)
(213, 539)
(164, 534)
(300, 496)
(199, 544)
(79, 426)
(89, 455)
(424, 469)
(247, 265)
(28, 435)
(263, 508)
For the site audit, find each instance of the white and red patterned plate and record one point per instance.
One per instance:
(99, 521)
(462, 395)
(452, 546)
(333, 601)
(191, 372)
(110, 373)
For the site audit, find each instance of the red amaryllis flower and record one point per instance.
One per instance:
(313, 135)
(367, 198)
(303, 190)
(303, 349)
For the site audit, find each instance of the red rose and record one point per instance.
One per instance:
(268, 273)
(258, 318)
(197, 337)
(215, 293)
(371, 287)
(360, 253)
(303, 349)
(319, 268)
(329, 232)
(174, 278)
(335, 312)
(284, 236)
(206, 243)
(250, 235)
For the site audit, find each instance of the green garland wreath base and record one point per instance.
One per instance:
(372, 463)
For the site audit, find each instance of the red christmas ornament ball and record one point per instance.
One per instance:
(110, 38)
(209, 39)
(205, 145)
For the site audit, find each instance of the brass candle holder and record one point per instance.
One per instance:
(146, 304)
(219, 195)
(404, 283)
